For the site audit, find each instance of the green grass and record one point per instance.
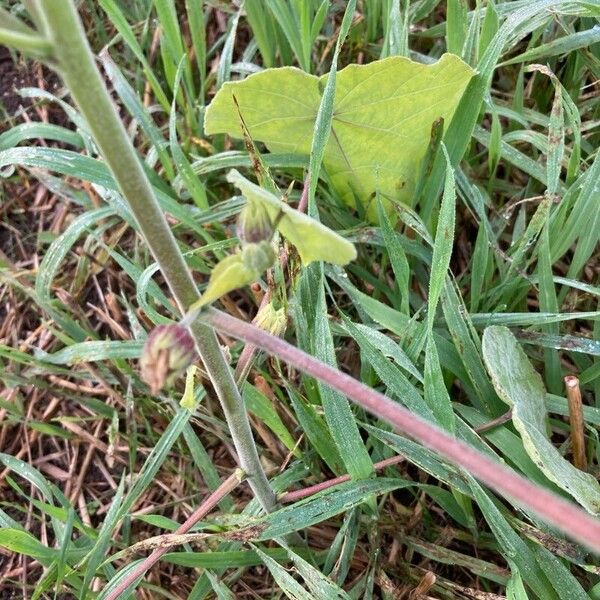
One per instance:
(518, 189)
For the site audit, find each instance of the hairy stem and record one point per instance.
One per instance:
(31, 44)
(563, 515)
(75, 63)
(324, 485)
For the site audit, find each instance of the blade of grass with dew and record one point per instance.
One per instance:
(480, 267)
(339, 554)
(193, 183)
(397, 383)
(564, 232)
(196, 23)
(442, 555)
(519, 385)
(21, 542)
(456, 25)
(397, 258)
(37, 480)
(172, 49)
(470, 48)
(572, 343)
(549, 303)
(261, 22)
(32, 131)
(524, 319)
(388, 347)
(316, 431)
(205, 464)
(559, 575)
(395, 42)
(320, 585)
(262, 408)
(64, 545)
(512, 155)
(288, 19)
(116, 579)
(104, 540)
(338, 414)
(442, 245)
(221, 590)
(224, 560)
(468, 347)
(118, 19)
(320, 507)
(425, 459)
(232, 159)
(94, 351)
(518, 555)
(560, 46)
(435, 391)
(224, 69)
(286, 583)
(155, 460)
(140, 113)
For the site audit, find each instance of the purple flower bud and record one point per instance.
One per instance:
(254, 224)
(168, 352)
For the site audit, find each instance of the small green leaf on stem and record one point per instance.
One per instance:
(312, 240)
(263, 214)
(236, 271)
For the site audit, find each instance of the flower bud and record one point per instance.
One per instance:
(258, 257)
(271, 319)
(167, 353)
(254, 224)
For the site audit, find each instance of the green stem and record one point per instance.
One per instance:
(30, 44)
(9, 21)
(75, 63)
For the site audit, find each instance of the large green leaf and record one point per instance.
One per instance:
(382, 118)
(520, 386)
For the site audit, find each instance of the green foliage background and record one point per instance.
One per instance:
(502, 229)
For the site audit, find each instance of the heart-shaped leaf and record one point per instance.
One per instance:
(381, 124)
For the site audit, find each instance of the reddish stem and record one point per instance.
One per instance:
(319, 487)
(247, 355)
(304, 197)
(211, 501)
(560, 513)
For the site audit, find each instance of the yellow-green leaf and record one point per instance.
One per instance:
(382, 119)
(228, 275)
(313, 240)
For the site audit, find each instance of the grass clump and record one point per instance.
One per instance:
(500, 230)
